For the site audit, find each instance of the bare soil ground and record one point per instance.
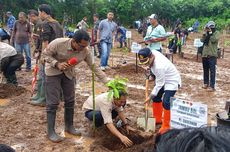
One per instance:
(23, 126)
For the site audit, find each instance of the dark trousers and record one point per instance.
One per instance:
(97, 48)
(166, 99)
(209, 69)
(10, 64)
(98, 116)
(54, 85)
(173, 46)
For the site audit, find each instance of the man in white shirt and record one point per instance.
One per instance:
(167, 82)
(10, 61)
(107, 109)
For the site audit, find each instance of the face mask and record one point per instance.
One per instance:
(210, 32)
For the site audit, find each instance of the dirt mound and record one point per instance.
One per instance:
(142, 142)
(129, 68)
(7, 91)
(128, 71)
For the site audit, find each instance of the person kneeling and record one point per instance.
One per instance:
(107, 109)
(10, 61)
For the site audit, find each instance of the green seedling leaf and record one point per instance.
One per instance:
(116, 85)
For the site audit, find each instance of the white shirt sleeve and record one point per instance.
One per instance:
(160, 81)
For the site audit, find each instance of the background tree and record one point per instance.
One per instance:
(126, 11)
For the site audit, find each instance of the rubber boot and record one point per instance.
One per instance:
(51, 116)
(37, 95)
(68, 116)
(166, 122)
(157, 111)
(41, 101)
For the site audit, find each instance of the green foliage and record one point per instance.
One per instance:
(116, 85)
(127, 11)
(226, 43)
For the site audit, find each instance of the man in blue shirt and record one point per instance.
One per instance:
(155, 34)
(196, 26)
(105, 34)
(121, 31)
(10, 22)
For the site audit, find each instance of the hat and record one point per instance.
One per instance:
(96, 15)
(6, 148)
(211, 24)
(9, 12)
(144, 55)
(153, 16)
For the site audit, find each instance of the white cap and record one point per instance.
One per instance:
(153, 16)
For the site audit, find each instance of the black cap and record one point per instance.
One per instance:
(144, 55)
(96, 15)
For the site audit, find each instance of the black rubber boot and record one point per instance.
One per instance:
(51, 116)
(69, 113)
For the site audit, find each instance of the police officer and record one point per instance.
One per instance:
(34, 18)
(50, 30)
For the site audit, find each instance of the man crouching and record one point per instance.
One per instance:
(106, 109)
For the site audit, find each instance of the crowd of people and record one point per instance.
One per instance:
(56, 76)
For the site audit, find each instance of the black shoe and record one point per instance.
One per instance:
(124, 62)
(68, 116)
(51, 116)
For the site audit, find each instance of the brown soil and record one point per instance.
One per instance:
(7, 91)
(23, 126)
(142, 142)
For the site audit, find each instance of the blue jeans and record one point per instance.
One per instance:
(166, 99)
(209, 66)
(99, 121)
(105, 52)
(24, 47)
(122, 40)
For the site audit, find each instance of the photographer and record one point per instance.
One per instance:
(209, 56)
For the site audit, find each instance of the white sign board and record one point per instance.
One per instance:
(197, 43)
(128, 34)
(187, 114)
(135, 47)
